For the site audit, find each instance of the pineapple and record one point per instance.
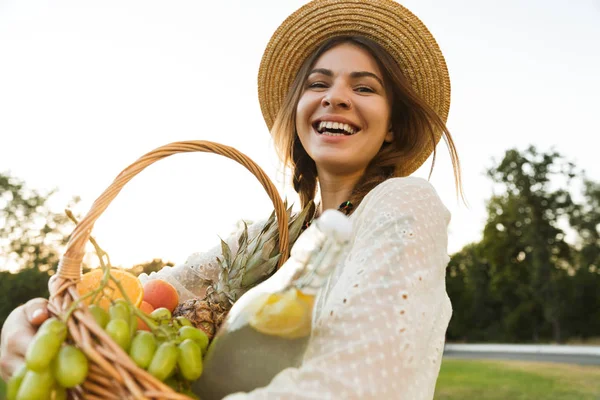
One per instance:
(255, 260)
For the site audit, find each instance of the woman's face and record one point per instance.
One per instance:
(343, 115)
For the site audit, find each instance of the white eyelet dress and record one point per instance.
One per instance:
(380, 322)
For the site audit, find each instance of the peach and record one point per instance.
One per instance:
(146, 308)
(160, 293)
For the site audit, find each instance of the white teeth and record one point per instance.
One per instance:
(332, 134)
(335, 125)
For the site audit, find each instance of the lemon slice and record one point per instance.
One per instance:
(286, 315)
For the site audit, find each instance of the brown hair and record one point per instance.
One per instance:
(413, 124)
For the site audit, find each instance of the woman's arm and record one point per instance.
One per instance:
(381, 331)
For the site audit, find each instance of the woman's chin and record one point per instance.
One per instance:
(336, 165)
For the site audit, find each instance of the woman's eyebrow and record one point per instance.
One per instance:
(323, 71)
(362, 74)
(353, 75)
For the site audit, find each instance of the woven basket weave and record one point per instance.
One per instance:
(112, 374)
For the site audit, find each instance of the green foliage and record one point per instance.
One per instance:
(30, 232)
(523, 282)
(16, 289)
(31, 235)
(151, 266)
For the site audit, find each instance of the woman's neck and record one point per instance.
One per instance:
(336, 189)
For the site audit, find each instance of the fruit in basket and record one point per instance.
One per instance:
(35, 385)
(161, 315)
(13, 384)
(119, 331)
(172, 348)
(70, 367)
(59, 393)
(45, 344)
(160, 293)
(100, 315)
(92, 280)
(164, 361)
(120, 310)
(195, 334)
(189, 360)
(146, 308)
(143, 348)
(41, 351)
(255, 260)
(56, 327)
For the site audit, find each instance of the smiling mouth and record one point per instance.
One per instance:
(330, 128)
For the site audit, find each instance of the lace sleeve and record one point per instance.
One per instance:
(381, 331)
(192, 277)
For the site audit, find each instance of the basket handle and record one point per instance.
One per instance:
(69, 266)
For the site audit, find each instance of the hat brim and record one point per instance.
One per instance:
(386, 22)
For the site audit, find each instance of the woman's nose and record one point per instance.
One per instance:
(336, 99)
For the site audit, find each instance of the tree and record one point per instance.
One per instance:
(30, 232)
(525, 242)
(151, 266)
(585, 300)
(468, 284)
(31, 235)
(523, 282)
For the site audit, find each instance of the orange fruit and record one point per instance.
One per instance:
(161, 293)
(131, 285)
(147, 309)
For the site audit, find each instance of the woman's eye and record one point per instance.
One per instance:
(364, 89)
(317, 85)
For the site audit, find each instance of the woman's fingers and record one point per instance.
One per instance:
(9, 366)
(36, 311)
(17, 332)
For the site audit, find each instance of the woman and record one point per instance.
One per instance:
(356, 94)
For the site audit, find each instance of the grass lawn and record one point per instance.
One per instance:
(516, 380)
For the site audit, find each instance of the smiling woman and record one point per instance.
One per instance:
(356, 94)
(358, 99)
(353, 80)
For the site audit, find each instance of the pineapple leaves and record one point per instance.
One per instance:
(243, 239)
(256, 258)
(252, 277)
(267, 249)
(226, 252)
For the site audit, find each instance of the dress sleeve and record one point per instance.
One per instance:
(382, 329)
(192, 278)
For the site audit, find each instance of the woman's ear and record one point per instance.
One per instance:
(389, 136)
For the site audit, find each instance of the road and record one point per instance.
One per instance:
(582, 355)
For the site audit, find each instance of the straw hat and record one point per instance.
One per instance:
(386, 22)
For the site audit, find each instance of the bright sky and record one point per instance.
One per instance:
(88, 87)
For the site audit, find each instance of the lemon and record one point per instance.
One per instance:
(286, 315)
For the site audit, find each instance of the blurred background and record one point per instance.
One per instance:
(88, 87)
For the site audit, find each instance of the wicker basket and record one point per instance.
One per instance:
(112, 374)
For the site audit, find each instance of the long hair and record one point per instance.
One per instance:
(413, 122)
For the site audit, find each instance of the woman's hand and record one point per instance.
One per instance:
(17, 332)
